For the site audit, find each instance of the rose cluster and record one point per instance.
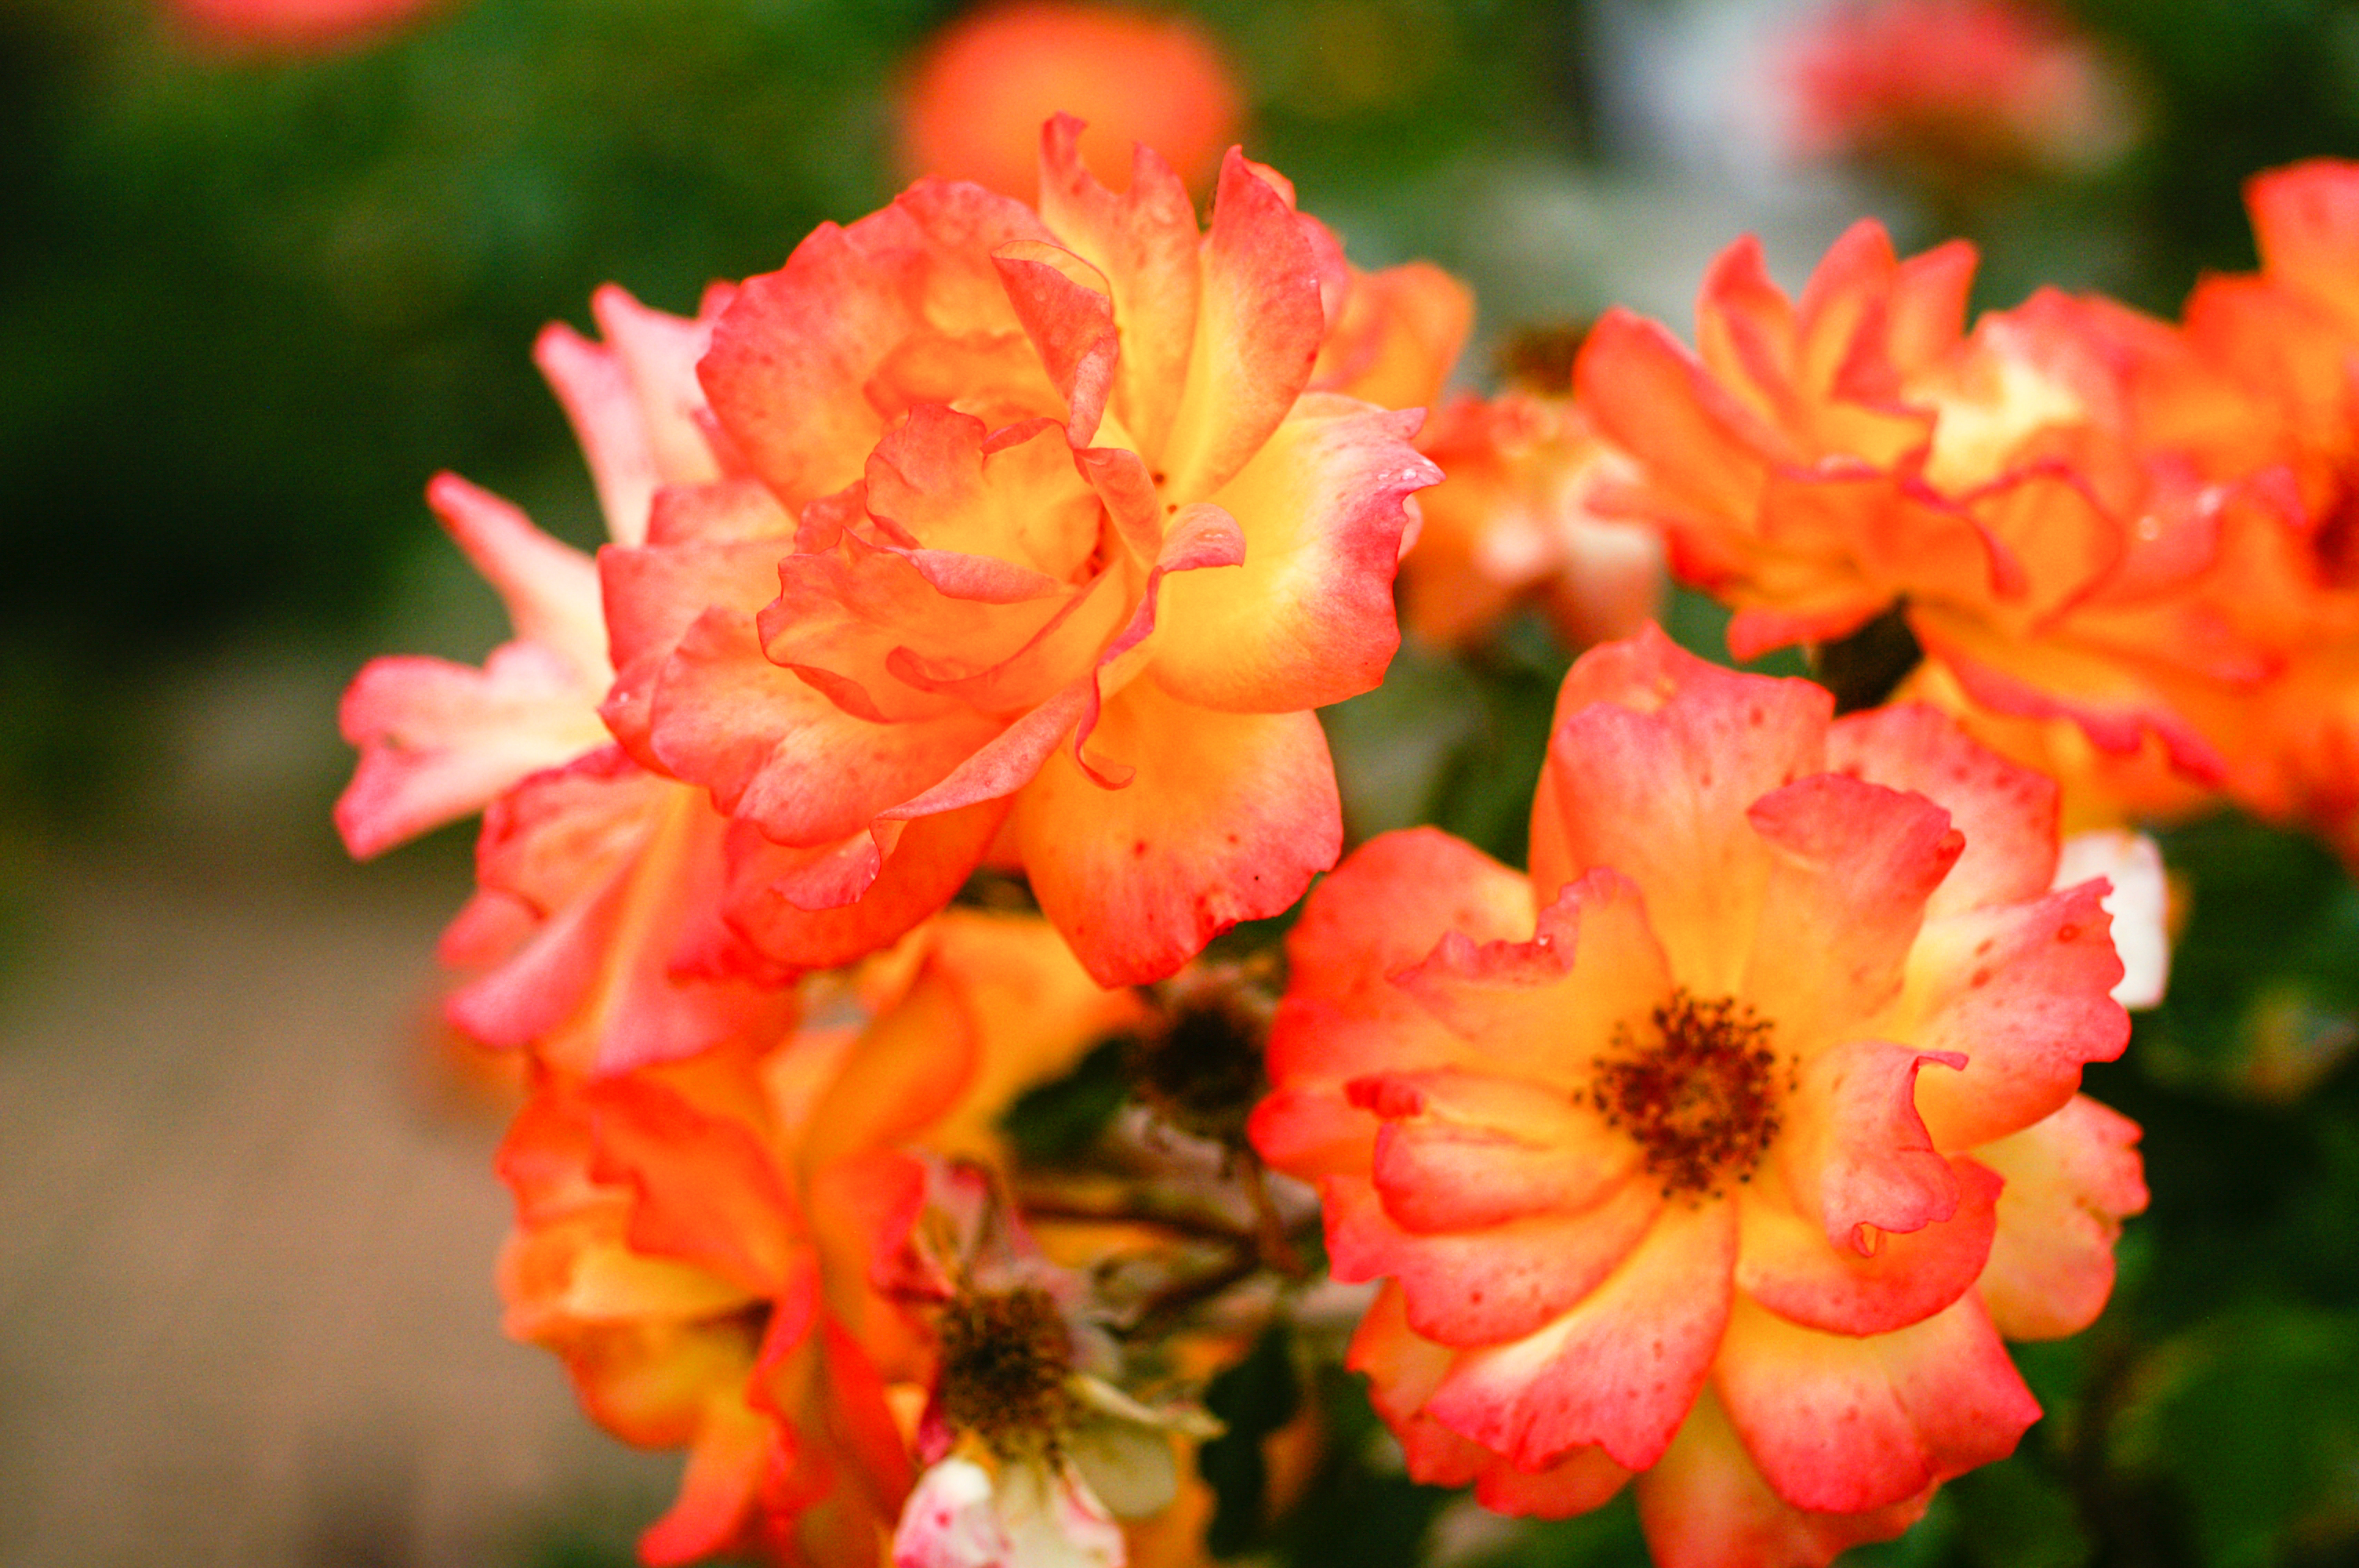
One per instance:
(950, 682)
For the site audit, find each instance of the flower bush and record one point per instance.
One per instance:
(857, 823)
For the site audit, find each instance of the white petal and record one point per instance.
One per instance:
(951, 1520)
(1056, 1521)
(2139, 905)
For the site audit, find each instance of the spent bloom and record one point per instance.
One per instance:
(1034, 521)
(697, 1239)
(1723, 1149)
(1035, 1453)
(970, 103)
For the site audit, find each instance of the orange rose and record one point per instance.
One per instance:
(1723, 1149)
(1035, 520)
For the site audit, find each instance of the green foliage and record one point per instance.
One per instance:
(1253, 1400)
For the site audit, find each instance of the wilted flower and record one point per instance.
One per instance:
(1733, 1172)
(973, 100)
(1954, 91)
(1034, 1451)
(696, 1239)
(1042, 528)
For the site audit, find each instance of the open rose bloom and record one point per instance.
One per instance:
(1030, 524)
(2063, 503)
(1724, 1149)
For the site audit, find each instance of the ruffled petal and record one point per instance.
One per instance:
(2138, 905)
(1548, 1007)
(953, 485)
(658, 353)
(632, 965)
(1143, 242)
(733, 1449)
(1853, 864)
(2306, 224)
(1258, 324)
(1704, 1505)
(1227, 818)
(931, 859)
(2110, 698)
(1403, 1369)
(1840, 1424)
(439, 741)
(1656, 756)
(550, 589)
(1067, 310)
(2007, 813)
(1399, 331)
(2070, 1180)
(1855, 1155)
(812, 364)
(775, 751)
(706, 1191)
(1584, 1480)
(1618, 1370)
(602, 407)
(1500, 1283)
(1786, 1263)
(1308, 618)
(1448, 1161)
(2024, 992)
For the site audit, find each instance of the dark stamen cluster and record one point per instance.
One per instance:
(1700, 1097)
(1200, 1065)
(1005, 1357)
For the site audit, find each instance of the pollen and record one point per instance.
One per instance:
(1005, 1357)
(1698, 1088)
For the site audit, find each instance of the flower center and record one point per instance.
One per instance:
(1005, 1356)
(1699, 1091)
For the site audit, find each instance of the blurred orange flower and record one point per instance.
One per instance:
(698, 1240)
(1957, 90)
(1659, 1192)
(973, 100)
(2290, 335)
(1511, 520)
(1033, 521)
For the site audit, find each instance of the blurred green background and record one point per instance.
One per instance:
(248, 304)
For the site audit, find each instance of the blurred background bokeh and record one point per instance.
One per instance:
(266, 268)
